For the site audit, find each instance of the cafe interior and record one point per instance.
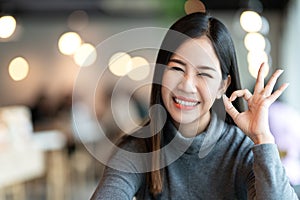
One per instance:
(76, 74)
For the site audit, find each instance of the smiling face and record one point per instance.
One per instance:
(191, 82)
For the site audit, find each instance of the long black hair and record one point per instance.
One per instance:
(193, 25)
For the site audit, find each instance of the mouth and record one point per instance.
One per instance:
(185, 103)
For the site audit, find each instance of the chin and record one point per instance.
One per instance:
(185, 120)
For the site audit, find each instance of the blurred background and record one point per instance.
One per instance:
(55, 110)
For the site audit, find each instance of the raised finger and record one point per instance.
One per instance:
(277, 93)
(271, 83)
(259, 85)
(246, 94)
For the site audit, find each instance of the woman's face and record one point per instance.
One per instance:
(192, 81)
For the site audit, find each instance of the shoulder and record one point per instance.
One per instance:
(132, 153)
(137, 142)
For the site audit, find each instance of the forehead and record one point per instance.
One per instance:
(198, 52)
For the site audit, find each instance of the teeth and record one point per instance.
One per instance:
(185, 103)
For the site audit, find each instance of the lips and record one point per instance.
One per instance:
(185, 103)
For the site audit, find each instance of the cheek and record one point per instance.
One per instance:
(209, 89)
(170, 80)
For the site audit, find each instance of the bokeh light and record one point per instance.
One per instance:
(68, 43)
(192, 6)
(7, 26)
(18, 69)
(265, 29)
(85, 55)
(257, 57)
(120, 64)
(140, 68)
(255, 42)
(253, 69)
(78, 20)
(251, 21)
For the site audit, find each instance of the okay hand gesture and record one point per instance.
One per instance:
(254, 122)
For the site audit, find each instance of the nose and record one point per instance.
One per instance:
(187, 84)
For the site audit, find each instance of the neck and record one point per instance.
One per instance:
(194, 128)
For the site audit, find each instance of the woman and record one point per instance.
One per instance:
(215, 155)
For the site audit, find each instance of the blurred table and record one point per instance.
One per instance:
(44, 156)
(18, 165)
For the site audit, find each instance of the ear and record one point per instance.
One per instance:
(223, 87)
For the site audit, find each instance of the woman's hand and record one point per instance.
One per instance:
(254, 121)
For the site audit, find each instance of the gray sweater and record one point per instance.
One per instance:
(220, 163)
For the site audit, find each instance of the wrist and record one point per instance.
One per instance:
(264, 139)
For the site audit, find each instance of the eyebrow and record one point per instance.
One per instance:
(184, 64)
(177, 61)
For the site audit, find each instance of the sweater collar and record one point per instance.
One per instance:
(202, 144)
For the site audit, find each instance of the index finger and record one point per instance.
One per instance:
(230, 109)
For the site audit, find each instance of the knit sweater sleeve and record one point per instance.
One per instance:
(123, 176)
(117, 185)
(269, 180)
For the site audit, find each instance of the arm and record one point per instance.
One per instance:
(268, 180)
(123, 175)
(117, 185)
